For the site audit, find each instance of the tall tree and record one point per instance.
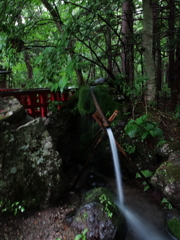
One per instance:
(171, 45)
(147, 42)
(127, 56)
(156, 44)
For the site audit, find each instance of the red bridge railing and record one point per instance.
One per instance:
(36, 101)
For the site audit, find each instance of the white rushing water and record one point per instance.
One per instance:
(116, 166)
(141, 227)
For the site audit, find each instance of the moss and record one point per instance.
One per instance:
(173, 226)
(171, 172)
(96, 193)
(103, 196)
(86, 105)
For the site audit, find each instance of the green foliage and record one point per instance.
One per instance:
(146, 174)
(166, 204)
(142, 128)
(173, 225)
(138, 87)
(129, 148)
(176, 114)
(165, 88)
(53, 106)
(16, 207)
(77, 35)
(82, 235)
(109, 206)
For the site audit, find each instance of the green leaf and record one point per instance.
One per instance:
(144, 135)
(79, 236)
(149, 126)
(131, 131)
(141, 120)
(85, 231)
(146, 188)
(156, 132)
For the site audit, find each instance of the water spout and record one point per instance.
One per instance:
(116, 166)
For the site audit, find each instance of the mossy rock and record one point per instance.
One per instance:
(105, 100)
(96, 193)
(173, 226)
(100, 216)
(167, 179)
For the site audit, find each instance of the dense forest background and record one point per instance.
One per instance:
(134, 44)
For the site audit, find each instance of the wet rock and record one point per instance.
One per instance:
(100, 216)
(30, 168)
(64, 129)
(167, 148)
(167, 178)
(11, 110)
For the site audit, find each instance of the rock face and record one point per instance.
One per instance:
(167, 148)
(64, 127)
(167, 178)
(100, 216)
(11, 110)
(30, 168)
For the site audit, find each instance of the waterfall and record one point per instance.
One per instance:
(142, 228)
(116, 166)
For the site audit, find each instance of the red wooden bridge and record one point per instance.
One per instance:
(36, 101)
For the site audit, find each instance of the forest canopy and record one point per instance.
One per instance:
(134, 44)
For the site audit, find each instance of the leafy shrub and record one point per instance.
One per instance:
(142, 128)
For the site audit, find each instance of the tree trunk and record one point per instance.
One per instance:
(127, 56)
(156, 45)
(147, 40)
(176, 81)
(171, 68)
(28, 65)
(109, 49)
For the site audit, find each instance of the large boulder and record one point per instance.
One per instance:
(30, 168)
(100, 216)
(167, 178)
